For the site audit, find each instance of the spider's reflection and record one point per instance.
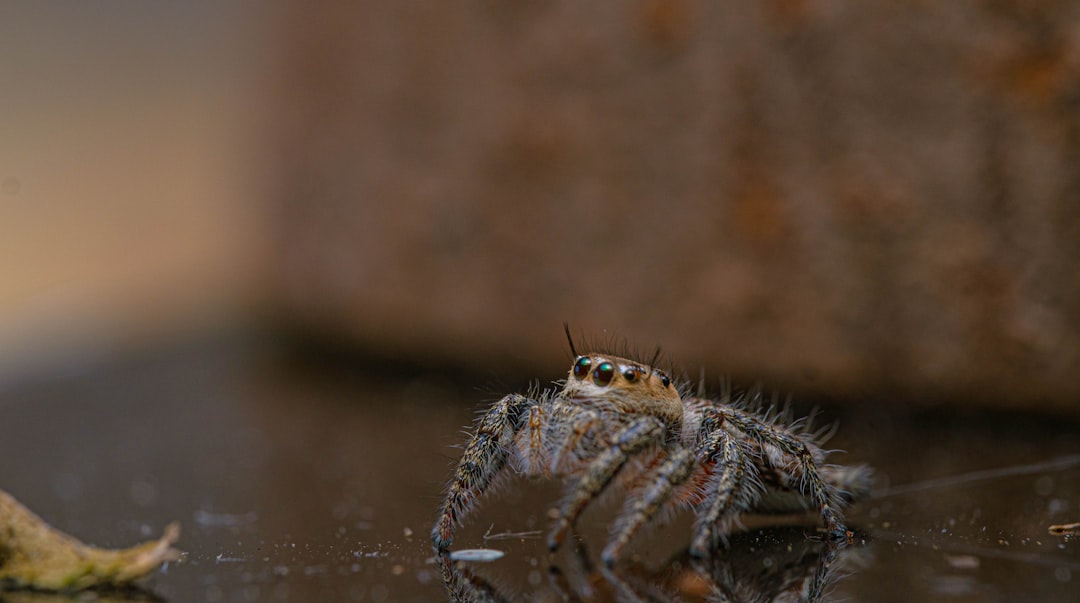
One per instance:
(774, 564)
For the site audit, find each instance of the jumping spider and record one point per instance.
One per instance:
(617, 421)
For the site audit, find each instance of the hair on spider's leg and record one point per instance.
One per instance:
(630, 440)
(484, 458)
(641, 509)
(754, 398)
(803, 425)
(850, 483)
(824, 433)
(786, 415)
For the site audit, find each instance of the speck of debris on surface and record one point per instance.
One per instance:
(476, 555)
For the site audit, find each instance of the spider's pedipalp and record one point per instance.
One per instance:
(569, 439)
(532, 454)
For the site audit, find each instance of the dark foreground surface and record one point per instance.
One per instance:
(299, 483)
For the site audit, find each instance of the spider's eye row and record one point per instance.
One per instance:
(581, 367)
(603, 374)
(630, 374)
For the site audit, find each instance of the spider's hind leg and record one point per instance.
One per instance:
(817, 490)
(484, 458)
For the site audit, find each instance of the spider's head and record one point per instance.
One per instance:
(632, 386)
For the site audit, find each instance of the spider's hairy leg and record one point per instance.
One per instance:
(727, 499)
(819, 492)
(628, 441)
(640, 509)
(485, 456)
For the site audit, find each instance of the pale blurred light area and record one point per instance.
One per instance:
(130, 200)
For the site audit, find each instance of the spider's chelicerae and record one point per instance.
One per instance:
(620, 422)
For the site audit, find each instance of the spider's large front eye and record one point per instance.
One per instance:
(603, 374)
(581, 367)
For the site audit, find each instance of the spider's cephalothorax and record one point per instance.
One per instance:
(617, 421)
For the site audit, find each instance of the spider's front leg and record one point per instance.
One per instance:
(642, 507)
(628, 441)
(484, 457)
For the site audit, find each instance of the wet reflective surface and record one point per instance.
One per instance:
(297, 483)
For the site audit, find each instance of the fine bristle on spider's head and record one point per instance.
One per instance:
(615, 346)
(569, 339)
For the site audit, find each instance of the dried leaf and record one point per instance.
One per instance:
(34, 555)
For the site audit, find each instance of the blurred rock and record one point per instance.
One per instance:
(864, 198)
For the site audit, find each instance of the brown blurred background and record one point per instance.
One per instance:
(866, 199)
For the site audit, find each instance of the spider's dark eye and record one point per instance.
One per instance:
(630, 374)
(581, 367)
(665, 380)
(603, 374)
